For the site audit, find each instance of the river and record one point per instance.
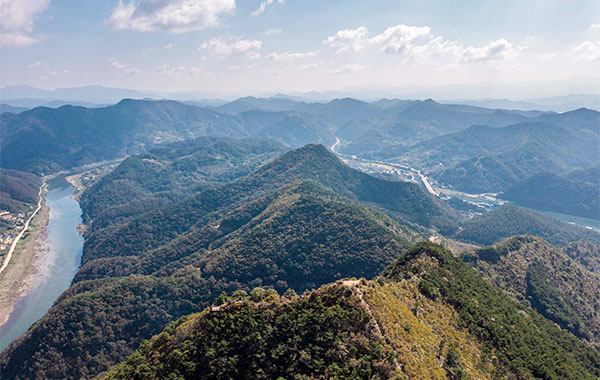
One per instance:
(592, 224)
(65, 246)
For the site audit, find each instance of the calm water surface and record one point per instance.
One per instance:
(593, 224)
(64, 249)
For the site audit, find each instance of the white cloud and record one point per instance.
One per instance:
(272, 31)
(595, 27)
(17, 18)
(222, 47)
(348, 40)
(263, 6)
(173, 16)
(34, 64)
(498, 49)
(399, 37)
(393, 40)
(19, 15)
(588, 50)
(124, 68)
(10, 39)
(349, 68)
(289, 56)
(178, 72)
(417, 42)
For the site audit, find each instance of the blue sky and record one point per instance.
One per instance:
(462, 48)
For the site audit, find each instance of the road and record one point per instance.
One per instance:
(423, 179)
(426, 183)
(20, 235)
(337, 141)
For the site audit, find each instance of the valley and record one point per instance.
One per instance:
(198, 219)
(286, 190)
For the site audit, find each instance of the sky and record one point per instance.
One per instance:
(457, 49)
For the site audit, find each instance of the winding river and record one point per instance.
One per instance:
(65, 246)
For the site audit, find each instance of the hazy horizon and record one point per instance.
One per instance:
(437, 49)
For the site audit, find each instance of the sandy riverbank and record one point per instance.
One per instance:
(75, 181)
(25, 267)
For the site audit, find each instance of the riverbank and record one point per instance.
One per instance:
(26, 266)
(59, 247)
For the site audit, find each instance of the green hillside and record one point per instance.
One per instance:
(45, 140)
(410, 123)
(576, 193)
(411, 323)
(169, 173)
(298, 236)
(509, 220)
(405, 202)
(535, 273)
(508, 156)
(525, 343)
(18, 190)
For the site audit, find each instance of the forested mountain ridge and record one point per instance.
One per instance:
(283, 232)
(173, 228)
(576, 193)
(406, 202)
(527, 344)
(485, 159)
(18, 190)
(535, 273)
(415, 321)
(509, 220)
(477, 140)
(49, 140)
(582, 119)
(170, 173)
(45, 140)
(410, 123)
(215, 241)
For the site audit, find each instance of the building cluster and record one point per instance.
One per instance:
(5, 240)
(16, 219)
(10, 220)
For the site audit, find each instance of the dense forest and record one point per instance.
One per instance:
(509, 220)
(235, 223)
(529, 345)
(18, 190)
(537, 274)
(278, 233)
(405, 202)
(170, 173)
(427, 301)
(576, 193)
(322, 335)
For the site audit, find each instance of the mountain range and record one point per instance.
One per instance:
(273, 228)
(427, 316)
(95, 94)
(216, 215)
(380, 129)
